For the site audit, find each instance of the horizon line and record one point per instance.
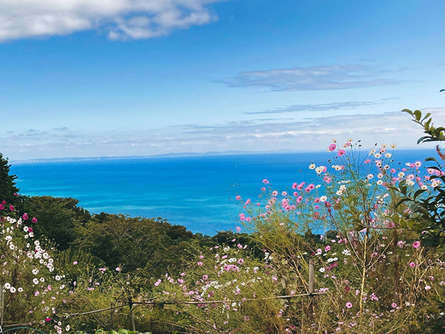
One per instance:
(183, 155)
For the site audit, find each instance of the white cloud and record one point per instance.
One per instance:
(316, 107)
(330, 77)
(260, 135)
(120, 19)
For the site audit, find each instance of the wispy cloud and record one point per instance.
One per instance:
(310, 134)
(316, 107)
(119, 19)
(313, 78)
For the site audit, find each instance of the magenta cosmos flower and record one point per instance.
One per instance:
(416, 244)
(332, 147)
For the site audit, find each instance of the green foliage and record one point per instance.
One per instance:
(429, 208)
(135, 243)
(426, 121)
(58, 218)
(7, 183)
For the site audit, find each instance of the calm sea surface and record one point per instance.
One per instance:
(197, 192)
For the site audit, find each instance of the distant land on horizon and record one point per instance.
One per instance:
(185, 155)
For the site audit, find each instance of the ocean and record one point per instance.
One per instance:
(197, 192)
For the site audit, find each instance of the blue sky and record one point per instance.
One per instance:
(83, 78)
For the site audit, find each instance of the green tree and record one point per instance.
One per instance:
(7, 183)
(58, 218)
(135, 243)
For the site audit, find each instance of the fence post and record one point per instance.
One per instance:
(311, 276)
(2, 308)
(111, 313)
(133, 325)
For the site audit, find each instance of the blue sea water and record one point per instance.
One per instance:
(197, 192)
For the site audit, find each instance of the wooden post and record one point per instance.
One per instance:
(311, 276)
(133, 325)
(111, 314)
(2, 308)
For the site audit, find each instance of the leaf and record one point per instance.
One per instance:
(426, 116)
(418, 115)
(418, 192)
(421, 139)
(403, 201)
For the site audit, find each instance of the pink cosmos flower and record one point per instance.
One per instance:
(238, 229)
(412, 264)
(374, 297)
(294, 185)
(394, 305)
(205, 277)
(327, 248)
(238, 197)
(332, 147)
(416, 244)
(341, 153)
(158, 282)
(199, 263)
(401, 243)
(348, 305)
(34, 220)
(11, 207)
(25, 216)
(266, 181)
(309, 188)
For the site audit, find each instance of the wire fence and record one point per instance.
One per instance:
(28, 325)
